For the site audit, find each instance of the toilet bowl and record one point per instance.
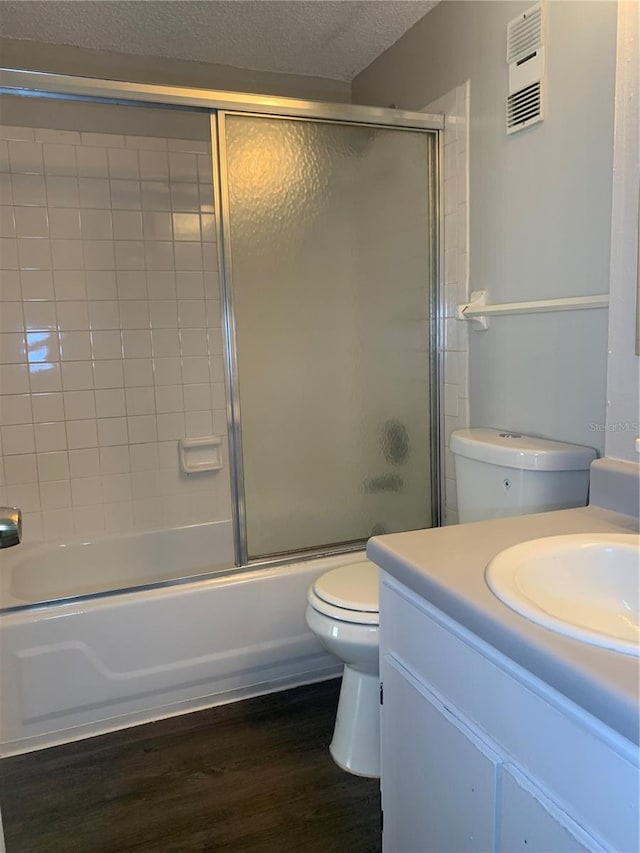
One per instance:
(342, 611)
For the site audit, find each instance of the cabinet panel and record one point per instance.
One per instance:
(555, 742)
(438, 781)
(531, 824)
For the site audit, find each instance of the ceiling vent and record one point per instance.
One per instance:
(525, 55)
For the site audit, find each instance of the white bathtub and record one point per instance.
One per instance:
(75, 669)
(49, 571)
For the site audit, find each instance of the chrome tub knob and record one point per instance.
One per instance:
(10, 526)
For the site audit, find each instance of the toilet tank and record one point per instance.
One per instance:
(500, 473)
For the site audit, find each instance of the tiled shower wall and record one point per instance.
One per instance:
(110, 335)
(455, 279)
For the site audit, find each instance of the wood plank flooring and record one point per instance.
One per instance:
(247, 777)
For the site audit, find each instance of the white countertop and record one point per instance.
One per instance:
(446, 566)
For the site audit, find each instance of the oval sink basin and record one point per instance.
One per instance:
(582, 585)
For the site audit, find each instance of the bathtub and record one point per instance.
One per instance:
(76, 668)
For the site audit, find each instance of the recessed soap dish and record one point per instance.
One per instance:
(200, 454)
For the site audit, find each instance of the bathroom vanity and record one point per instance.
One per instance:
(497, 733)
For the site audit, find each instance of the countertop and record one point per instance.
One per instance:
(446, 566)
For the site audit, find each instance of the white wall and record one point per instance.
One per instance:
(540, 202)
(66, 59)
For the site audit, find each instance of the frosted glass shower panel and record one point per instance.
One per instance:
(329, 236)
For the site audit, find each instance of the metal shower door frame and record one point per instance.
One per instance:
(36, 84)
(225, 260)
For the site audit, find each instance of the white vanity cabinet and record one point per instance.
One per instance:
(479, 755)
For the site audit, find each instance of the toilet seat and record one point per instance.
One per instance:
(348, 593)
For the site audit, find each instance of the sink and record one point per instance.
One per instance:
(582, 585)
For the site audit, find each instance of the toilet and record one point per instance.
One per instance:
(342, 611)
(498, 474)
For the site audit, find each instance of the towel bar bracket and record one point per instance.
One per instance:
(478, 299)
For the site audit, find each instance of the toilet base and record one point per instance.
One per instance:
(355, 746)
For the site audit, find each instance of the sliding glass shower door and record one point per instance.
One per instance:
(329, 261)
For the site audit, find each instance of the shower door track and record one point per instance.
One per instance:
(38, 84)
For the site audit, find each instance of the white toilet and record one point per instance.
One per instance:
(498, 474)
(342, 612)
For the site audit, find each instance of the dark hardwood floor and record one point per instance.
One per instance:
(252, 776)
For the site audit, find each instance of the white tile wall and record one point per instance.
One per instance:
(110, 339)
(455, 279)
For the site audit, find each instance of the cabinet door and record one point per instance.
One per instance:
(438, 779)
(531, 823)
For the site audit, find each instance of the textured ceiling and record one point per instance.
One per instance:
(314, 37)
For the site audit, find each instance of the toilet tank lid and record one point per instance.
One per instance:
(514, 450)
(354, 587)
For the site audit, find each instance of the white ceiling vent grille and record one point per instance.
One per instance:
(525, 55)
(524, 34)
(524, 107)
